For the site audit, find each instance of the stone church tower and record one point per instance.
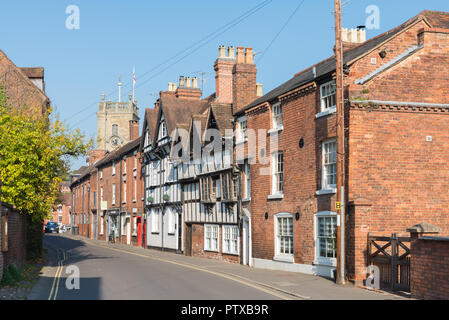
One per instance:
(115, 122)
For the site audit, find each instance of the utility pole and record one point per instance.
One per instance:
(340, 147)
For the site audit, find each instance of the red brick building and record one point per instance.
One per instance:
(107, 195)
(397, 148)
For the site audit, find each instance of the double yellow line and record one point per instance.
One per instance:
(55, 285)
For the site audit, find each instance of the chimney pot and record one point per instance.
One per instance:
(195, 83)
(181, 81)
(240, 55)
(222, 52)
(259, 89)
(231, 52)
(249, 56)
(188, 82)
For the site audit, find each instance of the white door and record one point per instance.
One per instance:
(128, 230)
(245, 238)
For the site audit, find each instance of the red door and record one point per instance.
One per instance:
(139, 231)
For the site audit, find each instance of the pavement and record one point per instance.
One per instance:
(115, 271)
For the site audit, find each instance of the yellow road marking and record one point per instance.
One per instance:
(200, 269)
(57, 277)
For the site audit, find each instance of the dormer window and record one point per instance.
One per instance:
(162, 128)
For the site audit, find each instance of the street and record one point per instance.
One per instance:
(116, 272)
(110, 274)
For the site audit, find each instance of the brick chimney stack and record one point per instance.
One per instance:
(95, 155)
(133, 130)
(244, 75)
(223, 74)
(188, 88)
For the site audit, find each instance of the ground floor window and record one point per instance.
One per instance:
(211, 235)
(155, 220)
(171, 220)
(102, 225)
(326, 237)
(231, 240)
(284, 235)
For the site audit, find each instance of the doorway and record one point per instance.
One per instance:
(188, 248)
(128, 230)
(245, 241)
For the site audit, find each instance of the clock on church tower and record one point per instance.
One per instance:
(113, 122)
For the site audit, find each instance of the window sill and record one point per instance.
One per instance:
(326, 113)
(326, 262)
(230, 253)
(288, 259)
(246, 199)
(205, 250)
(326, 191)
(275, 131)
(276, 196)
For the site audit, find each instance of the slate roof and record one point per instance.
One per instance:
(436, 19)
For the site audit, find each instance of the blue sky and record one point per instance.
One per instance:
(116, 35)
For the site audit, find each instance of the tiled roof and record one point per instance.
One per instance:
(179, 111)
(223, 117)
(20, 90)
(435, 18)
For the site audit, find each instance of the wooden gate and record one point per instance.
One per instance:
(392, 256)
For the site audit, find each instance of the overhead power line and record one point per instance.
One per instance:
(280, 31)
(190, 50)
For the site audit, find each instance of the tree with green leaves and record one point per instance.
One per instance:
(34, 158)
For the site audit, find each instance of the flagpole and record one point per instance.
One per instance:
(134, 82)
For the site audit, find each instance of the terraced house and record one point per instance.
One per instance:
(163, 197)
(396, 140)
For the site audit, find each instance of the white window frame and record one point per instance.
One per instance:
(134, 232)
(325, 186)
(319, 260)
(276, 114)
(242, 130)
(325, 98)
(275, 174)
(135, 190)
(113, 193)
(171, 221)
(231, 234)
(247, 180)
(155, 221)
(101, 225)
(123, 225)
(214, 230)
(285, 257)
(124, 192)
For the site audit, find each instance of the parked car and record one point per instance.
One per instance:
(51, 227)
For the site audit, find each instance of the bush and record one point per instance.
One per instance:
(15, 273)
(11, 276)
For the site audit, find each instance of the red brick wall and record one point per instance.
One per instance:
(429, 267)
(17, 233)
(198, 246)
(244, 85)
(398, 173)
(302, 176)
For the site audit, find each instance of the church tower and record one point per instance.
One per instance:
(114, 121)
